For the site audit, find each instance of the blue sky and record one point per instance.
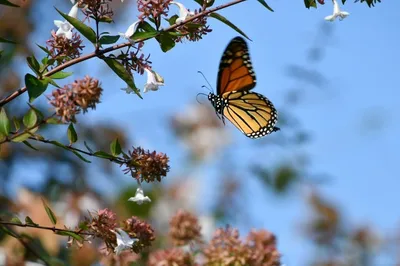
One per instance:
(353, 118)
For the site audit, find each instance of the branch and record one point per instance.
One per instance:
(115, 47)
(54, 229)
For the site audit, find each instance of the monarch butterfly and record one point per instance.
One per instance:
(252, 113)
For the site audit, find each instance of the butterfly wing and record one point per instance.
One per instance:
(235, 70)
(252, 113)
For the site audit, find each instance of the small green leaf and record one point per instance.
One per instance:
(16, 123)
(83, 225)
(38, 112)
(209, 3)
(172, 20)
(4, 124)
(265, 5)
(61, 75)
(144, 35)
(6, 41)
(102, 154)
(227, 22)
(310, 3)
(71, 234)
(7, 3)
(50, 213)
(16, 220)
(87, 147)
(69, 149)
(115, 148)
(33, 64)
(29, 221)
(29, 145)
(120, 70)
(44, 49)
(72, 136)
(106, 19)
(30, 118)
(35, 86)
(9, 231)
(166, 41)
(109, 39)
(81, 27)
(22, 137)
(53, 120)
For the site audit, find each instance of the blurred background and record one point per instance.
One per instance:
(326, 184)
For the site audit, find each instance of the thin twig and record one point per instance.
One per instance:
(54, 229)
(115, 47)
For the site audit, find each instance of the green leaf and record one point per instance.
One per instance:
(172, 20)
(227, 22)
(53, 120)
(16, 220)
(69, 149)
(29, 221)
(265, 5)
(29, 145)
(144, 35)
(33, 64)
(61, 75)
(115, 148)
(120, 70)
(7, 3)
(109, 39)
(16, 123)
(44, 49)
(35, 86)
(106, 19)
(4, 124)
(200, 2)
(38, 112)
(22, 137)
(166, 41)
(71, 234)
(87, 147)
(310, 3)
(6, 41)
(79, 26)
(50, 213)
(9, 231)
(30, 118)
(72, 136)
(102, 154)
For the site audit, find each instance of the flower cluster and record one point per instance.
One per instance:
(62, 48)
(194, 30)
(146, 166)
(153, 8)
(137, 61)
(227, 249)
(71, 99)
(102, 224)
(97, 9)
(184, 228)
(141, 231)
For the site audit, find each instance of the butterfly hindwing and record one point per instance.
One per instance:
(235, 69)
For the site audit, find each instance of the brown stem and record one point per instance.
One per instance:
(54, 229)
(115, 47)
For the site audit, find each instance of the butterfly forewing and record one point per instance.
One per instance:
(235, 69)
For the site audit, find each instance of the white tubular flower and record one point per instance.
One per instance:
(130, 31)
(139, 197)
(64, 27)
(154, 81)
(337, 12)
(183, 12)
(124, 241)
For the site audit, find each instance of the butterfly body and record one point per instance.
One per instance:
(252, 113)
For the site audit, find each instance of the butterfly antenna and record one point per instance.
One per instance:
(205, 79)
